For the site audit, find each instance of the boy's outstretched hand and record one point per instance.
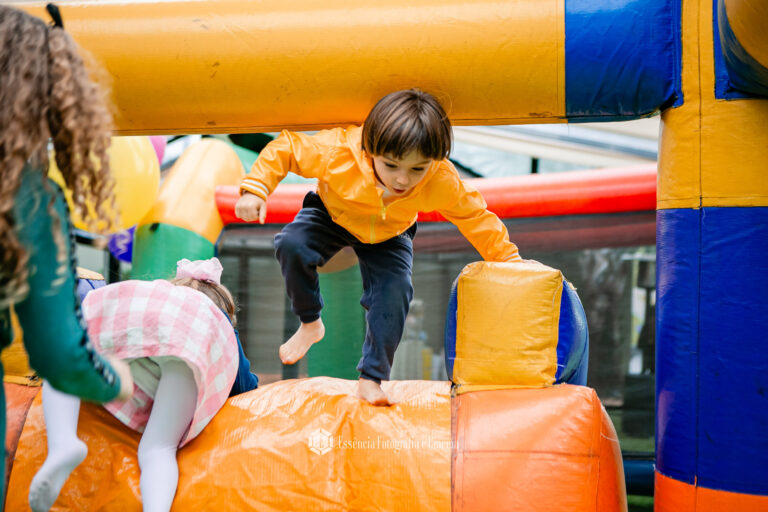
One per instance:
(251, 207)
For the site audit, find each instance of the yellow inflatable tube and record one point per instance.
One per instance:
(747, 19)
(242, 66)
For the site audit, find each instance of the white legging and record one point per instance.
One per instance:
(171, 415)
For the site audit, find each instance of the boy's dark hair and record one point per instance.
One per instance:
(405, 121)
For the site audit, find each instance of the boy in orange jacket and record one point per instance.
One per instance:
(371, 183)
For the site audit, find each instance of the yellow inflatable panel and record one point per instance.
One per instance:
(15, 360)
(305, 445)
(187, 197)
(713, 152)
(507, 325)
(248, 66)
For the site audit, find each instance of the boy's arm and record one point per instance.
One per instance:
(294, 152)
(482, 228)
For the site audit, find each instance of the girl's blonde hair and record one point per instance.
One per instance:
(45, 92)
(218, 293)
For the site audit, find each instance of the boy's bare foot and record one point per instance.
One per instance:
(372, 393)
(297, 345)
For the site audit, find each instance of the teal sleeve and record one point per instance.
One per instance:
(54, 332)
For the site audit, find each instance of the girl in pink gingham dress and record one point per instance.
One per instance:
(183, 355)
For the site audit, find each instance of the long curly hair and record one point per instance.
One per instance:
(46, 93)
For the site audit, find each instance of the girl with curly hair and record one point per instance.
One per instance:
(46, 94)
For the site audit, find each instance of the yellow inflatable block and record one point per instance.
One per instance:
(305, 445)
(507, 325)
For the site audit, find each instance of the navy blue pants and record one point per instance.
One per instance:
(311, 240)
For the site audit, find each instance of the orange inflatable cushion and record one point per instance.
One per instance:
(552, 449)
(305, 444)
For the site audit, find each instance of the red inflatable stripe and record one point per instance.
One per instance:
(594, 191)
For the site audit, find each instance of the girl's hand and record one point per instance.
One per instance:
(251, 207)
(126, 381)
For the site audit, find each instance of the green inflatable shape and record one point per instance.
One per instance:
(339, 352)
(157, 248)
(246, 156)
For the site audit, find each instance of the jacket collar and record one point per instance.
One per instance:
(365, 161)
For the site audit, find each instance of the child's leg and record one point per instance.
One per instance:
(387, 293)
(65, 450)
(171, 415)
(303, 245)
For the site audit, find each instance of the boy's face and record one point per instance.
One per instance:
(401, 175)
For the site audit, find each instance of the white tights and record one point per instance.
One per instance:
(171, 415)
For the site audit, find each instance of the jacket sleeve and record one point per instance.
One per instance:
(55, 336)
(294, 152)
(245, 380)
(484, 230)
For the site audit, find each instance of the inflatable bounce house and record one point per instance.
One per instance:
(515, 428)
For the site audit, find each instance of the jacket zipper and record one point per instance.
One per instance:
(373, 220)
(382, 214)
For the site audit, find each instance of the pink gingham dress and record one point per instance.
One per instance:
(136, 320)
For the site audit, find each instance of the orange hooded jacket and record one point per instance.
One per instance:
(347, 185)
